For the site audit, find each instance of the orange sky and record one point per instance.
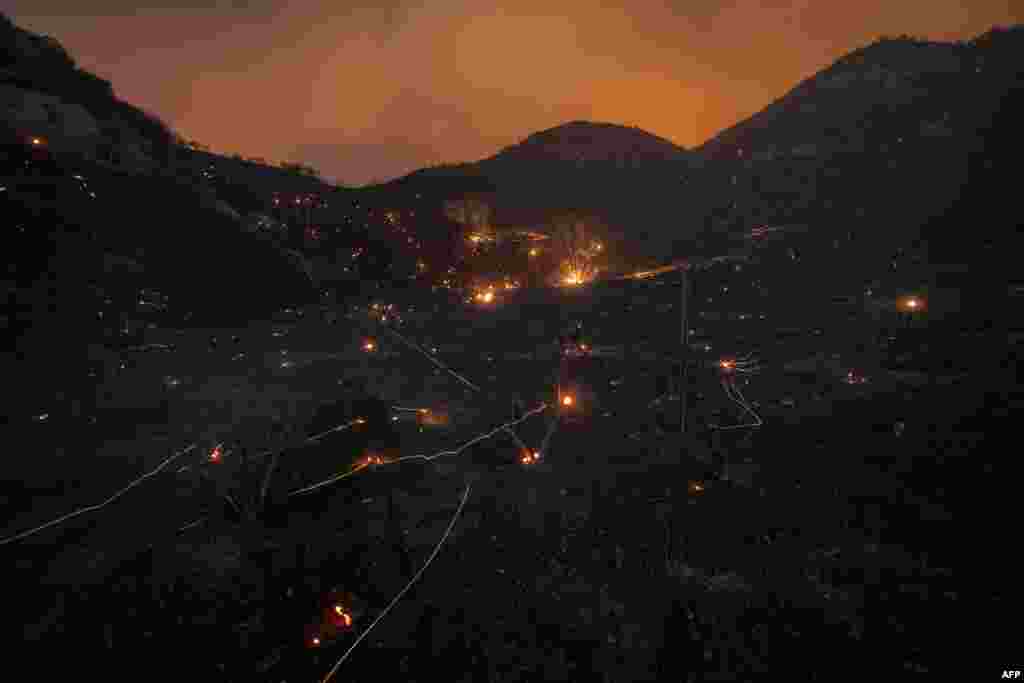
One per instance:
(374, 89)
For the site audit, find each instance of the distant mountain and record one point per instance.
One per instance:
(883, 142)
(614, 174)
(893, 86)
(588, 142)
(889, 141)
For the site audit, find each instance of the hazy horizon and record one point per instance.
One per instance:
(370, 93)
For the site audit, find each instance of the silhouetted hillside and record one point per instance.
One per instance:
(881, 144)
(107, 230)
(585, 141)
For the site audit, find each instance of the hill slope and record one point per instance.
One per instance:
(885, 140)
(101, 205)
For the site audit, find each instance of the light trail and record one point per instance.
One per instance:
(426, 458)
(416, 576)
(432, 359)
(191, 525)
(742, 402)
(339, 428)
(547, 437)
(98, 506)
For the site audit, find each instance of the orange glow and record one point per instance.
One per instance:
(567, 400)
(37, 141)
(343, 615)
(315, 642)
(912, 303)
(369, 346)
(727, 364)
(534, 252)
(567, 74)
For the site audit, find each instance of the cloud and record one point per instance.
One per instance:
(379, 88)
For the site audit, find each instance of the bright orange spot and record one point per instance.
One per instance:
(316, 641)
(567, 400)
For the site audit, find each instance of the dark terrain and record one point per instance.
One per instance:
(832, 534)
(850, 534)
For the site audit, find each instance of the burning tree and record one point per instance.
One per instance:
(472, 213)
(578, 251)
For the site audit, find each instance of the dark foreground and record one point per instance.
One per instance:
(822, 543)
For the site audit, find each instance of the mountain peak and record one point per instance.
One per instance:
(583, 141)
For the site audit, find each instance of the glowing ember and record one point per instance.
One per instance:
(567, 400)
(727, 364)
(369, 346)
(316, 642)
